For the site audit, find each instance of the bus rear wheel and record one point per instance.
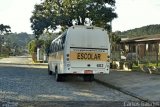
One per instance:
(88, 77)
(59, 77)
(49, 71)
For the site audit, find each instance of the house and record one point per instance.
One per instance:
(146, 47)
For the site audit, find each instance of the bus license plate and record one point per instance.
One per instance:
(88, 72)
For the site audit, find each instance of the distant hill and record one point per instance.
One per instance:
(20, 39)
(145, 30)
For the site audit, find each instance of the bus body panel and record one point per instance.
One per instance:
(56, 59)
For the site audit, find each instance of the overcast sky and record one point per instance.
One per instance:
(17, 13)
(131, 14)
(136, 13)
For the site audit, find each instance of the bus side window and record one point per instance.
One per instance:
(51, 48)
(59, 45)
(54, 47)
(63, 40)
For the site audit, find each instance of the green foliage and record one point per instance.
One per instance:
(32, 46)
(47, 38)
(115, 38)
(5, 50)
(19, 40)
(4, 29)
(39, 43)
(142, 31)
(50, 13)
(114, 41)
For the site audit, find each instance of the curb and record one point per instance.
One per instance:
(123, 91)
(24, 64)
(39, 64)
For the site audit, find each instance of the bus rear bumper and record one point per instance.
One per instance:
(86, 71)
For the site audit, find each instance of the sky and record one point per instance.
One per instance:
(16, 14)
(136, 13)
(131, 14)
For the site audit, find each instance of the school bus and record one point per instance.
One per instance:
(80, 50)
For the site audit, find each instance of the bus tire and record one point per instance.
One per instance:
(91, 77)
(59, 77)
(49, 71)
(88, 77)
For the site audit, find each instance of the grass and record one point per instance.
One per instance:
(3, 56)
(136, 67)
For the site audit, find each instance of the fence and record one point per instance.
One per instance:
(147, 54)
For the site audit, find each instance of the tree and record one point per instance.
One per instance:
(115, 39)
(4, 29)
(51, 13)
(33, 45)
(32, 49)
(142, 31)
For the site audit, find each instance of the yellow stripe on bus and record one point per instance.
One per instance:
(93, 56)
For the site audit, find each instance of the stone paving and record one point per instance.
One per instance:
(25, 82)
(141, 84)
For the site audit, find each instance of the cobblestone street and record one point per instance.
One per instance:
(32, 83)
